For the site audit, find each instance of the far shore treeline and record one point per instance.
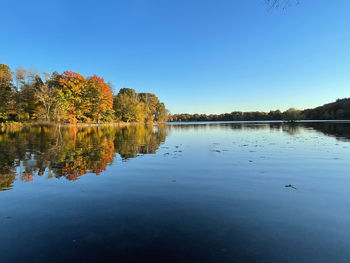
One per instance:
(338, 110)
(69, 97)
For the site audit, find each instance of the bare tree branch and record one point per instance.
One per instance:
(281, 3)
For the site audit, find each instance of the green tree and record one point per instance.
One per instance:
(124, 105)
(162, 113)
(6, 91)
(292, 114)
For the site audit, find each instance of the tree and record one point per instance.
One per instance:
(70, 97)
(45, 94)
(24, 103)
(124, 105)
(6, 91)
(291, 114)
(140, 107)
(27, 103)
(162, 113)
(151, 101)
(100, 99)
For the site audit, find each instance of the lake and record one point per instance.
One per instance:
(191, 192)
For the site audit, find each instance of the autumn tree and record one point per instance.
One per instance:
(71, 97)
(162, 114)
(100, 99)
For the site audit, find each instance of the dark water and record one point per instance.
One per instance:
(177, 193)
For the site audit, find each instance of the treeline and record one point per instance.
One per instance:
(339, 110)
(72, 98)
(291, 114)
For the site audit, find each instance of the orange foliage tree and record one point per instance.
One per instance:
(100, 99)
(70, 97)
(84, 99)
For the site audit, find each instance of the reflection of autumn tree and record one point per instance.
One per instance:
(70, 152)
(84, 150)
(6, 181)
(134, 139)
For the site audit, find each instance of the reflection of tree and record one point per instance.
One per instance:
(339, 130)
(83, 150)
(10, 151)
(70, 152)
(134, 139)
(6, 181)
(291, 128)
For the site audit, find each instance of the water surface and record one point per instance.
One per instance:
(209, 192)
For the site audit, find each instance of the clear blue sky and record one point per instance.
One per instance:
(195, 55)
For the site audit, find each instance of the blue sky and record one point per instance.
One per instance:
(197, 56)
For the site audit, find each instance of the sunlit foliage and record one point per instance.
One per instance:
(6, 91)
(72, 98)
(130, 106)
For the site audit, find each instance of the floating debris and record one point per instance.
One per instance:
(290, 186)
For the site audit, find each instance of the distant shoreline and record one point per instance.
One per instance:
(260, 121)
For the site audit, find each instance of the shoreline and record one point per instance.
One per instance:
(260, 121)
(116, 124)
(124, 124)
(25, 124)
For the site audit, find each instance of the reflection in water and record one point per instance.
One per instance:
(71, 152)
(339, 130)
(218, 192)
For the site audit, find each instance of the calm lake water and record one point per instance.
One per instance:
(176, 193)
